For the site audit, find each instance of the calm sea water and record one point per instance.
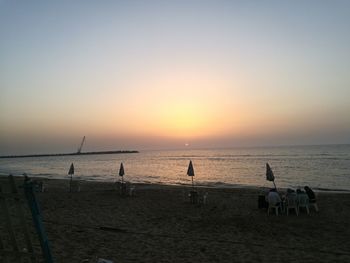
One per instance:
(321, 167)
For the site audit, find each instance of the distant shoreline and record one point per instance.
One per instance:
(67, 154)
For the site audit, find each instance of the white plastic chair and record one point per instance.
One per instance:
(303, 201)
(205, 198)
(273, 205)
(132, 191)
(312, 197)
(292, 202)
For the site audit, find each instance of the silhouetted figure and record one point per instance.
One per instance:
(310, 194)
(274, 197)
(312, 197)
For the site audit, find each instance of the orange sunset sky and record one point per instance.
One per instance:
(160, 74)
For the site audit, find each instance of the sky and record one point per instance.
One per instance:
(165, 74)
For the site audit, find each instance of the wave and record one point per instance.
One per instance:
(331, 190)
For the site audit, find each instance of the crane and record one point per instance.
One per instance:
(81, 145)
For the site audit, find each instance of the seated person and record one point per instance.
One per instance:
(299, 191)
(290, 193)
(310, 194)
(312, 197)
(273, 197)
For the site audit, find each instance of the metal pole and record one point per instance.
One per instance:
(70, 184)
(274, 185)
(38, 224)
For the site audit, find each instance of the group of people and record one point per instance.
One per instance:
(292, 197)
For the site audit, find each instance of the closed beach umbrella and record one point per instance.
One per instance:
(121, 171)
(71, 169)
(269, 175)
(190, 172)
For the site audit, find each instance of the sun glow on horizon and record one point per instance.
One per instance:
(181, 102)
(219, 72)
(183, 120)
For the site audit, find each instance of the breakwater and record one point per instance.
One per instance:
(67, 154)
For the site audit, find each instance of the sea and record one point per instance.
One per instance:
(322, 167)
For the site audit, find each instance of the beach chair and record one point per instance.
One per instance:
(274, 201)
(312, 197)
(131, 190)
(292, 202)
(274, 205)
(303, 201)
(205, 198)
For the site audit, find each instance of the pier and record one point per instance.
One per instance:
(67, 154)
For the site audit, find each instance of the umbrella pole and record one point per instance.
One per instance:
(274, 184)
(192, 183)
(70, 184)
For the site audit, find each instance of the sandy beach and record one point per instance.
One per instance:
(159, 224)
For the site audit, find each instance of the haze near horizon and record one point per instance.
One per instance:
(165, 74)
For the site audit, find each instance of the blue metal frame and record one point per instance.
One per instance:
(35, 209)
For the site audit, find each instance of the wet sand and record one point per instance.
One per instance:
(159, 224)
